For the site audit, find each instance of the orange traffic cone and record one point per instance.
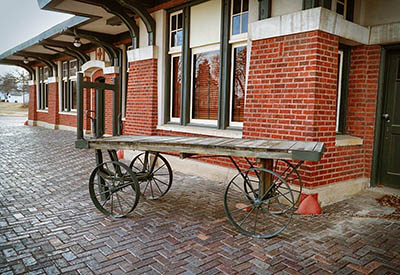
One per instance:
(309, 205)
(120, 154)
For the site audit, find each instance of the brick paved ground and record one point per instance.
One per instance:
(48, 224)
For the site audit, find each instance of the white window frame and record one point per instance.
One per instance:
(73, 79)
(339, 90)
(174, 49)
(208, 48)
(334, 5)
(241, 35)
(65, 79)
(173, 119)
(43, 90)
(235, 123)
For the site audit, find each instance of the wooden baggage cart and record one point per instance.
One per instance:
(259, 201)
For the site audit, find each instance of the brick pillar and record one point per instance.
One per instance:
(141, 108)
(53, 101)
(108, 97)
(361, 102)
(291, 93)
(86, 106)
(32, 115)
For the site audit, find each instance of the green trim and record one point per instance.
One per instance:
(345, 87)
(186, 71)
(225, 67)
(377, 148)
(167, 74)
(57, 29)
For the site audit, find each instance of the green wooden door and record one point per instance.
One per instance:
(390, 160)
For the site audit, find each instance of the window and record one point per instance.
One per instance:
(240, 16)
(342, 85)
(207, 72)
(43, 95)
(176, 87)
(238, 85)
(205, 86)
(342, 7)
(176, 29)
(175, 51)
(69, 96)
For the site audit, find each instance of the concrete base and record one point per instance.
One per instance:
(66, 128)
(335, 192)
(327, 194)
(55, 126)
(45, 125)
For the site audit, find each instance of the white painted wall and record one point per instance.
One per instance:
(205, 23)
(380, 12)
(281, 7)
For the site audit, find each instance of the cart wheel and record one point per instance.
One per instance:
(290, 174)
(155, 182)
(292, 177)
(255, 215)
(114, 189)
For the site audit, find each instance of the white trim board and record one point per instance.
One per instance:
(306, 21)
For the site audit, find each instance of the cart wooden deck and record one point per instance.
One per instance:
(258, 148)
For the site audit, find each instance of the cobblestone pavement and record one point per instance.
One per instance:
(48, 224)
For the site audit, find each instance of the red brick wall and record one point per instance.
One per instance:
(108, 96)
(32, 103)
(67, 120)
(292, 95)
(141, 110)
(362, 96)
(53, 103)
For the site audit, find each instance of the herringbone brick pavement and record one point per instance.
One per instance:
(48, 224)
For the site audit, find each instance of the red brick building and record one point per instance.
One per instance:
(325, 70)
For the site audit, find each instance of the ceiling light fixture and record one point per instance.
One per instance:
(77, 42)
(26, 61)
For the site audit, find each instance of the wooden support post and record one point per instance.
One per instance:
(265, 178)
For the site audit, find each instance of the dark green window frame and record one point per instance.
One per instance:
(224, 74)
(43, 98)
(309, 4)
(68, 86)
(344, 88)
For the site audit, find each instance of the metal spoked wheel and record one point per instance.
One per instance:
(292, 177)
(154, 174)
(290, 174)
(114, 189)
(254, 214)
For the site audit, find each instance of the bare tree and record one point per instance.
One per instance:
(15, 82)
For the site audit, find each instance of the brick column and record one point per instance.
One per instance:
(109, 74)
(141, 109)
(362, 94)
(86, 106)
(53, 101)
(32, 115)
(291, 94)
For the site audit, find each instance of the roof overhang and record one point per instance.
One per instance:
(97, 23)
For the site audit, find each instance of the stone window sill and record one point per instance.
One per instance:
(201, 131)
(42, 111)
(346, 140)
(68, 113)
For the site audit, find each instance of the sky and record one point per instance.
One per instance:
(20, 20)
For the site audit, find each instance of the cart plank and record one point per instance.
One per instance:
(268, 149)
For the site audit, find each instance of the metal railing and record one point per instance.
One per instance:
(99, 119)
